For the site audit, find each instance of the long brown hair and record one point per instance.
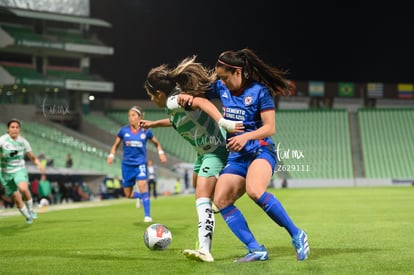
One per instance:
(189, 76)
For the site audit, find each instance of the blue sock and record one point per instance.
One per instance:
(277, 213)
(237, 223)
(146, 203)
(136, 195)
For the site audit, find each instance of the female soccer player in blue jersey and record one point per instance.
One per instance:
(163, 86)
(14, 177)
(246, 89)
(134, 161)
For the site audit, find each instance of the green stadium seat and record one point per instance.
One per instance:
(56, 144)
(323, 138)
(387, 142)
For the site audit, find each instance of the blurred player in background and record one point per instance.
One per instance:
(152, 178)
(13, 169)
(134, 161)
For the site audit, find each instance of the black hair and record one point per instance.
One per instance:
(14, 120)
(253, 68)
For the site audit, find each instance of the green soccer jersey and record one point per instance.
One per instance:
(12, 153)
(199, 129)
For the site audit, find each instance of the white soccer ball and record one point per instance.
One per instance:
(43, 202)
(157, 237)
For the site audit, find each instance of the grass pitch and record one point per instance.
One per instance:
(351, 231)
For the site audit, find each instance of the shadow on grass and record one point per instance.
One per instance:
(96, 254)
(14, 229)
(317, 252)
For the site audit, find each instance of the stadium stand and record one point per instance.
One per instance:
(103, 122)
(387, 137)
(313, 144)
(69, 73)
(21, 32)
(18, 69)
(73, 36)
(48, 55)
(55, 144)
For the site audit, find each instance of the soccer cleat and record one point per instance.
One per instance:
(29, 220)
(33, 215)
(300, 243)
(199, 255)
(138, 203)
(257, 254)
(147, 219)
(215, 208)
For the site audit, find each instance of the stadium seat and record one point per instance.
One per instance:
(387, 142)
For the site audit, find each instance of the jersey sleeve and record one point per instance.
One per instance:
(27, 147)
(150, 135)
(266, 101)
(120, 133)
(214, 91)
(2, 140)
(172, 103)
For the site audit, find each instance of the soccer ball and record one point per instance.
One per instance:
(157, 237)
(43, 202)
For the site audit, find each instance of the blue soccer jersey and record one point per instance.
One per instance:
(246, 106)
(134, 144)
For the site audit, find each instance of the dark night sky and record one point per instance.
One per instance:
(314, 41)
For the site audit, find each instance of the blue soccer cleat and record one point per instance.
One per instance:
(300, 243)
(257, 254)
(33, 215)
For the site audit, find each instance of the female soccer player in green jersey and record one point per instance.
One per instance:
(163, 86)
(14, 174)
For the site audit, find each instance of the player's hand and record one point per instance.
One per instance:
(231, 126)
(145, 124)
(185, 100)
(110, 159)
(163, 158)
(41, 168)
(236, 143)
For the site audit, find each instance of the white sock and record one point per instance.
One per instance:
(25, 212)
(29, 204)
(206, 223)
